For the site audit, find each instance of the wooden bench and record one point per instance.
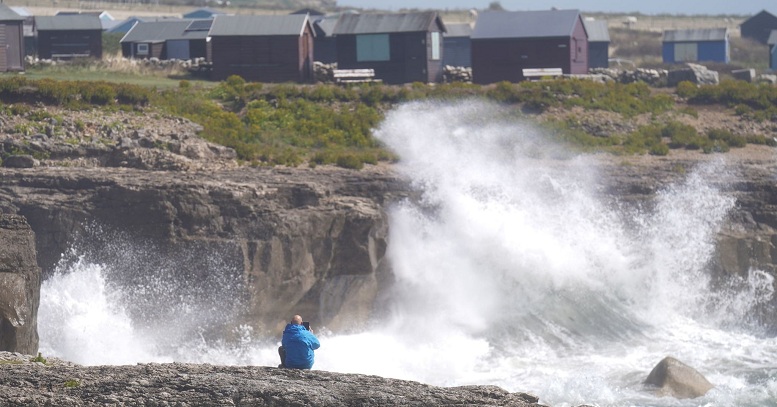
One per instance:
(354, 75)
(537, 73)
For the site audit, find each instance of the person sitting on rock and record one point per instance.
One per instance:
(297, 345)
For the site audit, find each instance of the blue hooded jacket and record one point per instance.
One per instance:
(299, 344)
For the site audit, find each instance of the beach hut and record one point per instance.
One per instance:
(267, 48)
(400, 48)
(759, 26)
(11, 40)
(167, 39)
(506, 46)
(696, 45)
(598, 43)
(69, 36)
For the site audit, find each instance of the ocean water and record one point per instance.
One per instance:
(511, 270)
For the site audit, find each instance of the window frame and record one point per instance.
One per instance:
(373, 48)
(436, 46)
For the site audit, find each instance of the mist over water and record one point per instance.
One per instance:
(511, 270)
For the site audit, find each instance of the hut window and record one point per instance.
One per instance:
(142, 49)
(372, 47)
(435, 45)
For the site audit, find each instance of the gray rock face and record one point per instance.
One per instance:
(694, 73)
(307, 241)
(673, 378)
(19, 286)
(207, 385)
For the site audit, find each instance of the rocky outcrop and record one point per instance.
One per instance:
(673, 378)
(306, 241)
(97, 139)
(19, 286)
(63, 384)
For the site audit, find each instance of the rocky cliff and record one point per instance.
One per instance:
(308, 241)
(20, 282)
(294, 240)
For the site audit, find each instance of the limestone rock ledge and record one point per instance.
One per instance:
(175, 384)
(20, 286)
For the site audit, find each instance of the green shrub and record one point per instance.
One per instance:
(658, 149)
(725, 136)
(715, 146)
(99, 93)
(761, 139)
(235, 81)
(682, 135)
(686, 89)
(349, 160)
(111, 43)
(39, 359)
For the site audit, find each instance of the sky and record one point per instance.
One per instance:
(690, 7)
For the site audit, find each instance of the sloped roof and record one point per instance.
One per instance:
(772, 38)
(758, 15)
(387, 23)
(525, 24)
(104, 15)
(697, 34)
(22, 11)
(597, 30)
(125, 25)
(68, 22)
(308, 10)
(155, 31)
(204, 11)
(458, 30)
(243, 25)
(7, 14)
(326, 24)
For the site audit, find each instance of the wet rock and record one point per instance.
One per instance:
(201, 385)
(19, 286)
(673, 378)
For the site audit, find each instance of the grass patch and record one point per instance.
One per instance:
(291, 124)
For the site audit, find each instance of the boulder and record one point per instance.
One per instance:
(747, 75)
(20, 161)
(695, 73)
(771, 79)
(673, 378)
(19, 286)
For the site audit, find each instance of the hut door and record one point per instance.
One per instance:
(415, 54)
(13, 37)
(11, 40)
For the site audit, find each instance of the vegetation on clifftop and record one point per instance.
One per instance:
(329, 124)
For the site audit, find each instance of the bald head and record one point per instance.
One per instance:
(296, 320)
